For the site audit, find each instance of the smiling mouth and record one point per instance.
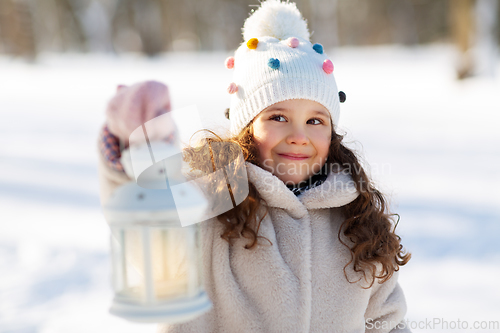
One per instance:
(295, 157)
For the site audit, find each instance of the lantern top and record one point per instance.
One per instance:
(131, 204)
(158, 194)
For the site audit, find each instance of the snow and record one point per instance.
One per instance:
(432, 144)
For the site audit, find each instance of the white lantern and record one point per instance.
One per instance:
(157, 267)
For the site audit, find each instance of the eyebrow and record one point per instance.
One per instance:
(275, 109)
(285, 109)
(321, 112)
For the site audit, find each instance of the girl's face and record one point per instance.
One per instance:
(293, 139)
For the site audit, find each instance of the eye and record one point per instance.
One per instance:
(277, 117)
(315, 121)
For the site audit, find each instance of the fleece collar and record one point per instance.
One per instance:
(336, 191)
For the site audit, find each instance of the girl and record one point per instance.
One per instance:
(312, 248)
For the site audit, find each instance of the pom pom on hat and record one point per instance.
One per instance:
(276, 19)
(252, 43)
(233, 88)
(318, 48)
(328, 66)
(273, 63)
(229, 63)
(342, 97)
(293, 42)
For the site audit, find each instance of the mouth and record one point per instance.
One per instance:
(295, 157)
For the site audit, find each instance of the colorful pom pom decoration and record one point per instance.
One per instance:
(229, 63)
(232, 88)
(328, 66)
(273, 63)
(252, 43)
(318, 48)
(293, 42)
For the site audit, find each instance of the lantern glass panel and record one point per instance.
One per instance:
(172, 260)
(133, 262)
(118, 261)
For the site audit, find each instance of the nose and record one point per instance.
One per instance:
(297, 136)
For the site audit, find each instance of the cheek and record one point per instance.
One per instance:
(262, 139)
(323, 146)
(263, 148)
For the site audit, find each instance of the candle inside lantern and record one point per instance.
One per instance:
(171, 264)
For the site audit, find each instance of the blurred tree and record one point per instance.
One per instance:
(94, 18)
(462, 27)
(431, 20)
(486, 51)
(363, 22)
(322, 17)
(16, 29)
(142, 18)
(70, 30)
(401, 15)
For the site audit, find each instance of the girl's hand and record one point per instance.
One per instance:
(134, 105)
(130, 108)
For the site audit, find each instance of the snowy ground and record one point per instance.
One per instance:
(433, 145)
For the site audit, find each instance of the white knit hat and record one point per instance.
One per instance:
(277, 62)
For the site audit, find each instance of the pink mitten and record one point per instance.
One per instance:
(131, 107)
(134, 105)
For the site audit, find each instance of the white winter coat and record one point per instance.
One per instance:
(297, 284)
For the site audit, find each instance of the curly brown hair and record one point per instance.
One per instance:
(376, 250)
